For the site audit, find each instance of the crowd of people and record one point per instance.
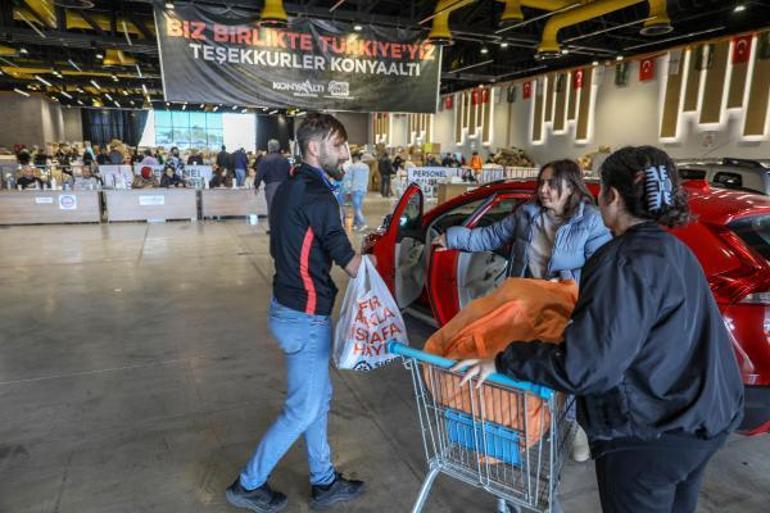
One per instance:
(76, 167)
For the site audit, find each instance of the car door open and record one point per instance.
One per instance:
(400, 252)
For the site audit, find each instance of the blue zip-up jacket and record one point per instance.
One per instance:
(576, 240)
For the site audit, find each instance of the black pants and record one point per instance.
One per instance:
(385, 185)
(653, 478)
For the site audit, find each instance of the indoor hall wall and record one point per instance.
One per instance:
(622, 115)
(35, 120)
(356, 124)
(73, 124)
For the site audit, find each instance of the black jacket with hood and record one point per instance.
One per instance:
(646, 350)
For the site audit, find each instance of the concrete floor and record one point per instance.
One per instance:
(137, 373)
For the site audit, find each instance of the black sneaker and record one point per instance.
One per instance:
(261, 500)
(340, 490)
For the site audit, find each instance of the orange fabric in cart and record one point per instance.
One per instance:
(519, 310)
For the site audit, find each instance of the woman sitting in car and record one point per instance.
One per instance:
(552, 236)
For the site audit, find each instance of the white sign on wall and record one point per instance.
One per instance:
(43, 200)
(429, 177)
(152, 201)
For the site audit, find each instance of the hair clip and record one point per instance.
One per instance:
(657, 188)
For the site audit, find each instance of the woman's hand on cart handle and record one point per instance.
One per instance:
(481, 368)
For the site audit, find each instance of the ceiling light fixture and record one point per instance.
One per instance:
(144, 89)
(114, 78)
(99, 55)
(235, 107)
(564, 51)
(125, 93)
(216, 108)
(80, 90)
(272, 112)
(23, 51)
(107, 95)
(66, 95)
(619, 58)
(96, 85)
(170, 5)
(739, 8)
(80, 102)
(184, 107)
(357, 27)
(203, 105)
(72, 63)
(117, 104)
(504, 44)
(244, 111)
(484, 50)
(595, 63)
(42, 80)
(139, 71)
(23, 93)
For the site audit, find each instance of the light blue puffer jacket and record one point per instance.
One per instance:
(576, 240)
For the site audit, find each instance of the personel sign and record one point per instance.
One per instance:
(211, 54)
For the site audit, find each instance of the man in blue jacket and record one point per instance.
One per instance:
(240, 164)
(306, 238)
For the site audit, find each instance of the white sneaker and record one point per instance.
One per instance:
(580, 450)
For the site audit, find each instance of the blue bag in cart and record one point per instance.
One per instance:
(369, 320)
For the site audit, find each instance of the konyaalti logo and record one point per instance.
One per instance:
(305, 88)
(339, 88)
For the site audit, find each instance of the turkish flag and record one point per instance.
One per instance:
(449, 101)
(647, 69)
(475, 97)
(526, 90)
(741, 49)
(577, 79)
(485, 96)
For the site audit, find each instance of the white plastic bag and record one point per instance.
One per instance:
(369, 319)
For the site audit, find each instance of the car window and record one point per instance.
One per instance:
(499, 210)
(410, 219)
(729, 180)
(692, 174)
(755, 232)
(457, 215)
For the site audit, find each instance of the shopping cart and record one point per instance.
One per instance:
(506, 437)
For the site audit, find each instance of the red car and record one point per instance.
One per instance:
(730, 237)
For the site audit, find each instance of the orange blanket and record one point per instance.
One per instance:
(521, 310)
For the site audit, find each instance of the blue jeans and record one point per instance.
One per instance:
(240, 177)
(306, 341)
(358, 205)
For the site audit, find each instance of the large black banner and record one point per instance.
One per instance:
(219, 55)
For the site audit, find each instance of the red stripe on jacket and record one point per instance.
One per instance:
(304, 263)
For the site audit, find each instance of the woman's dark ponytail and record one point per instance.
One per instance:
(647, 180)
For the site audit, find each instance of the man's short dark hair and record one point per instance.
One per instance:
(319, 126)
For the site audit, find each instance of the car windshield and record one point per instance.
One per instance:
(755, 232)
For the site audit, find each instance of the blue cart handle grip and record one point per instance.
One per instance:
(400, 349)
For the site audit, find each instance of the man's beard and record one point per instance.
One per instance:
(331, 166)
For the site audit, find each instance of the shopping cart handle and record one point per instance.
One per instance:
(409, 352)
